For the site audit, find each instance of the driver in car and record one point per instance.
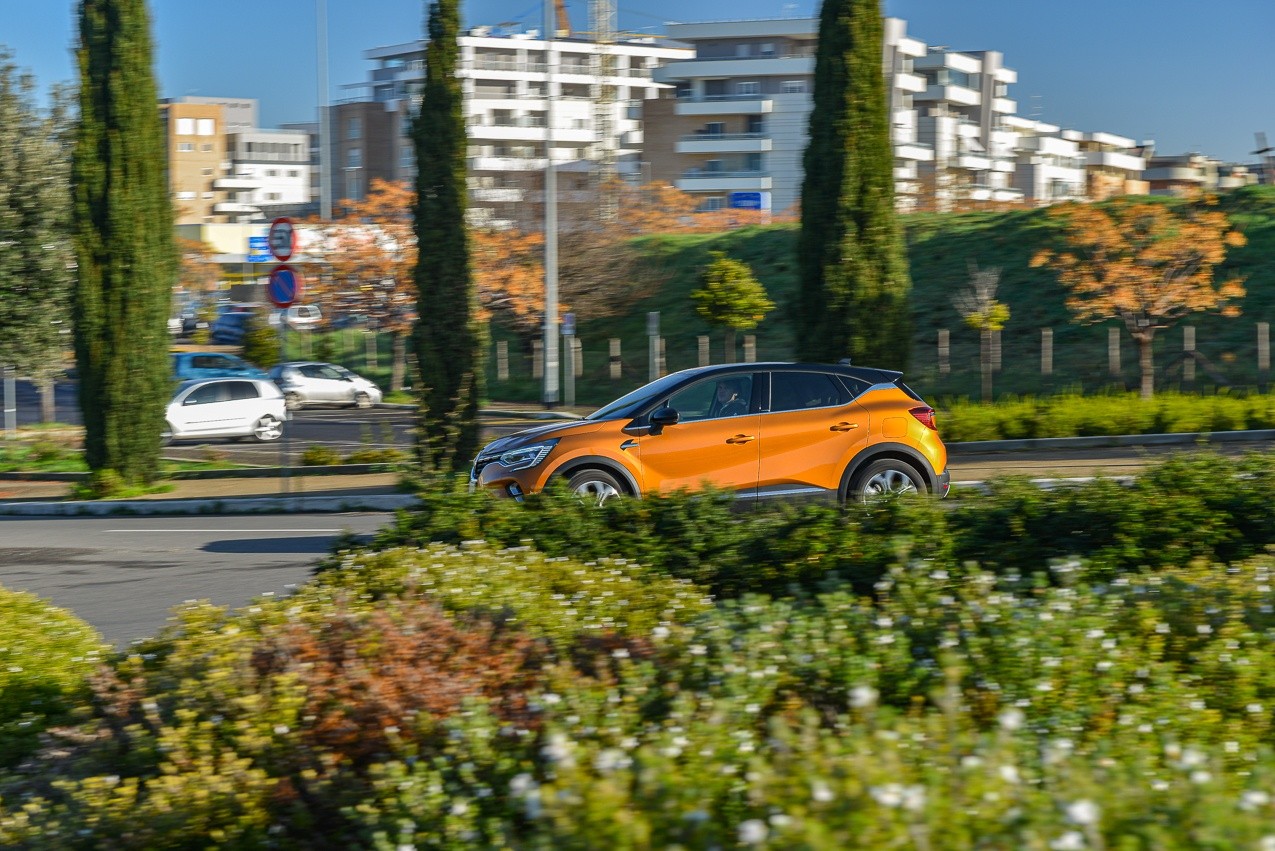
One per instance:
(728, 402)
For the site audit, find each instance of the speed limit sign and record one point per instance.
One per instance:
(282, 239)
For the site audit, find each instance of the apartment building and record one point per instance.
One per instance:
(1113, 164)
(507, 78)
(222, 169)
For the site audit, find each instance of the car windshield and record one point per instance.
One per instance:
(629, 404)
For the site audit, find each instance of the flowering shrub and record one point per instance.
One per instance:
(47, 656)
(462, 696)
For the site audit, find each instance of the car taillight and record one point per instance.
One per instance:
(925, 415)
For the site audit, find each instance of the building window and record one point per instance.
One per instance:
(206, 127)
(715, 202)
(713, 166)
(292, 172)
(714, 128)
(354, 128)
(272, 172)
(206, 147)
(185, 147)
(185, 127)
(354, 158)
(756, 124)
(793, 87)
(768, 49)
(353, 186)
(206, 172)
(752, 87)
(741, 50)
(272, 196)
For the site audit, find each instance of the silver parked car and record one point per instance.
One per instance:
(225, 407)
(311, 383)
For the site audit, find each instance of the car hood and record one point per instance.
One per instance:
(531, 435)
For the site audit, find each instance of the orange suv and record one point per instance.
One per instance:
(762, 429)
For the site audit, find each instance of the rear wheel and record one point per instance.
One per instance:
(885, 478)
(595, 486)
(292, 401)
(268, 428)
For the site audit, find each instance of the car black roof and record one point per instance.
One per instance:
(864, 373)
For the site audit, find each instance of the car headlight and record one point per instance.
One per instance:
(525, 457)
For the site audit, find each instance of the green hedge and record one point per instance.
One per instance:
(1072, 415)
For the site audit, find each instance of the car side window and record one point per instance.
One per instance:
(797, 391)
(206, 394)
(715, 398)
(312, 371)
(243, 390)
(205, 362)
(329, 372)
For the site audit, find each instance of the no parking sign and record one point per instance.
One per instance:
(284, 286)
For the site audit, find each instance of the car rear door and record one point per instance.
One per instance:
(702, 447)
(812, 429)
(204, 409)
(243, 406)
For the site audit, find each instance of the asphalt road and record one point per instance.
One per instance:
(125, 574)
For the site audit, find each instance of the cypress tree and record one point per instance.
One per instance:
(123, 243)
(853, 296)
(449, 339)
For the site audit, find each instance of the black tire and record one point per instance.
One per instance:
(596, 486)
(884, 479)
(362, 400)
(166, 436)
(268, 429)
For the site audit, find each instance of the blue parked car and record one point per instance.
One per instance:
(190, 365)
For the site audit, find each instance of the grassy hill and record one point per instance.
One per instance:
(940, 247)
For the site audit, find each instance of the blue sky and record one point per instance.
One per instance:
(1191, 75)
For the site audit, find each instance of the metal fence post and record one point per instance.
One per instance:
(502, 360)
(750, 348)
(704, 357)
(537, 359)
(945, 352)
(1188, 349)
(10, 402)
(1263, 353)
(1046, 351)
(617, 363)
(1113, 352)
(653, 346)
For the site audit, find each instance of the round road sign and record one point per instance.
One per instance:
(282, 239)
(284, 287)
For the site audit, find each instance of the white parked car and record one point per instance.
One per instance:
(309, 382)
(299, 316)
(226, 407)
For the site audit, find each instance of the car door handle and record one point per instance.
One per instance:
(843, 427)
(741, 438)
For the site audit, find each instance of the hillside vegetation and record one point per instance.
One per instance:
(940, 249)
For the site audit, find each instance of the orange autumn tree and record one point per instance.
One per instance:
(371, 251)
(199, 272)
(1145, 265)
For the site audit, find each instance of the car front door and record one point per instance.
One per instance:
(812, 429)
(715, 440)
(204, 409)
(323, 384)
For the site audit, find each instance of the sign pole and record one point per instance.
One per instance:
(284, 288)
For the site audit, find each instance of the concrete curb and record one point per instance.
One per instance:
(220, 506)
(975, 447)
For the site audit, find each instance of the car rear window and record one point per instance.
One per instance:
(795, 391)
(243, 390)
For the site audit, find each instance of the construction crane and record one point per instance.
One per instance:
(602, 15)
(1267, 153)
(563, 30)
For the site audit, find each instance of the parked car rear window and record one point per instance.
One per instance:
(243, 390)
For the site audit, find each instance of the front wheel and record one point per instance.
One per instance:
(594, 486)
(883, 479)
(166, 436)
(268, 428)
(362, 400)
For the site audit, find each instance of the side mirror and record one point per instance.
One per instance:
(665, 416)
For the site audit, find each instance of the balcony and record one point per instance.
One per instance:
(237, 183)
(235, 208)
(949, 94)
(721, 143)
(725, 105)
(497, 195)
(914, 153)
(697, 180)
(1049, 145)
(1114, 160)
(972, 162)
(532, 131)
(909, 82)
(793, 65)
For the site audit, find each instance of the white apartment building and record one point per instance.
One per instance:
(508, 80)
(270, 168)
(1050, 166)
(738, 123)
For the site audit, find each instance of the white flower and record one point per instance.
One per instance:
(753, 832)
(522, 784)
(889, 795)
(660, 633)
(1254, 799)
(914, 798)
(1191, 758)
(1009, 773)
(862, 697)
(1082, 812)
(1069, 841)
(1254, 708)
(1266, 843)
(820, 792)
(611, 759)
(1160, 785)
(1011, 719)
(558, 750)
(697, 650)
(1201, 777)
(781, 820)
(459, 808)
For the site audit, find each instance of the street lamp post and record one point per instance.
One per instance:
(551, 224)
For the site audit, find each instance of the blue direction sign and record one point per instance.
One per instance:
(748, 200)
(284, 286)
(259, 249)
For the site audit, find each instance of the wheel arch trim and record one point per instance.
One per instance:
(598, 462)
(895, 451)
